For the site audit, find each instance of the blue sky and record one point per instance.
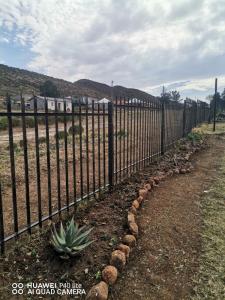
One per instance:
(145, 45)
(14, 54)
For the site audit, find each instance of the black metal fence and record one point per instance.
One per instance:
(53, 158)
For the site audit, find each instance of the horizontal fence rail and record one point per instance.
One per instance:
(53, 157)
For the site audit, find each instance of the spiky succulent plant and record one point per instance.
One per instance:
(71, 240)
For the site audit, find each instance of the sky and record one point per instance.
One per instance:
(141, 44)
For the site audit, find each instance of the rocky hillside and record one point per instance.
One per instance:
(12, 80)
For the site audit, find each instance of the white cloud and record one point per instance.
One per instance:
(4, 40)
(137, 43)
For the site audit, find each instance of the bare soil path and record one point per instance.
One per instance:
(167, 256)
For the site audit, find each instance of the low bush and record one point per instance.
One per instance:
(194, 136)
(3, 123)
(76, 128)
(42, 140)
(61, 135)
(15, 147)
(29, 121)
(121, 134)
(16, 121)
(21, 143)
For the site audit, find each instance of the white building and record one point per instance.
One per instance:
(51, 102)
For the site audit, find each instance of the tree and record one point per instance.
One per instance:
(219, 102)
(49, 89)
(175, 96)
(171, 96)
(223, 100)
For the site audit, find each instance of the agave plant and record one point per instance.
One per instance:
(71, 240)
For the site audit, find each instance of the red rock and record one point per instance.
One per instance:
(143, 193)
(176, 171)
(136, 204)
(125, 249)
(140, 199)
(182, 171)
(170, 173)
(148, 186)
(129, 240)
(133, 210)
(133, 228)
(98, 292)
(110, 274)
(151, 182)
(118, 259)
(130, 217)
(156, 179)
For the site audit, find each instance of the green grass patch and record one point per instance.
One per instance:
(210, 280)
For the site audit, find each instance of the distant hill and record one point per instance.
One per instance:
(105, 90)
(12, 80)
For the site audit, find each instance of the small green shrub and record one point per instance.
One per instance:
(61, 118)
(194, 136)
(61, 135)
(21, 143)
(42, 140)
(121, 134)
(3, 123)
(71, 240)
(29, 122)
(98, 275)
(76, 129)
(16, 122)
(15, 147)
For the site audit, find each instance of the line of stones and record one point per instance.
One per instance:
(120, 256)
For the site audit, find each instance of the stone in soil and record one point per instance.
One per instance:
(136, 204)
(140, 199)
(109, 274)
(125, 249)
(133, 210)
(98, 292)
(133, 228)
(129, 240)
(130, 218)
(118, 259)
(148, 186)
(182, 171)
(143, 193)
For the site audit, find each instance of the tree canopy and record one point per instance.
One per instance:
(172, 96)
(49, 89)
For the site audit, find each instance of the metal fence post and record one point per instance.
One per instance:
(184, 118)
(196, 113)
(163, 126)
(1, 223)
(110, 144)
(214, 108)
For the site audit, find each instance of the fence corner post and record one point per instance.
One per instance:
(110, 145)
(163, 126)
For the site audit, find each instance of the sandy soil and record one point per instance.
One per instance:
(167, 256)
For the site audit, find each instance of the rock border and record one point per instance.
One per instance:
(120, 256)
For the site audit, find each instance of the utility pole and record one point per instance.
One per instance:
(214, 110)
(112, 83)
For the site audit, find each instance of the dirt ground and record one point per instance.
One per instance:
(169, 247)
